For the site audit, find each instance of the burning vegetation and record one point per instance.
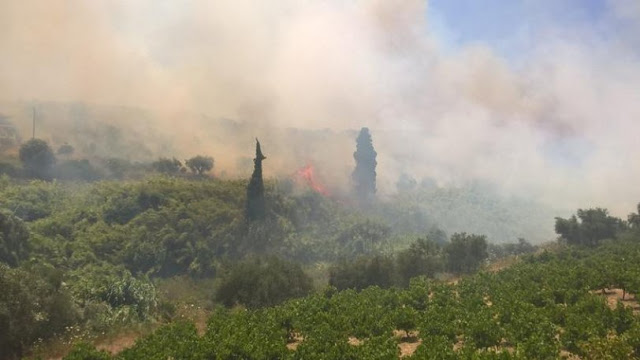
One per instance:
(306, 176)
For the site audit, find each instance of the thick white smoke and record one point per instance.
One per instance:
(559, 126)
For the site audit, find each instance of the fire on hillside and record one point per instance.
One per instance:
(306, 176)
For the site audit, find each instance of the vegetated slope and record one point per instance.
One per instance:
(540, 308)
(88, 254)
(477, 208)
(170, 225)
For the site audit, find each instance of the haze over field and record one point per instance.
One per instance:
(544, 103)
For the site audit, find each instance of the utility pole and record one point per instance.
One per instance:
(33, 136)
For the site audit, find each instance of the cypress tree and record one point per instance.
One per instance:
(364, 175)
(255, 190)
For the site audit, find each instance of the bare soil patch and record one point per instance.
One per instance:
(615, 295)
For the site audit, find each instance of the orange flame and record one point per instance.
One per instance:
(306, 175)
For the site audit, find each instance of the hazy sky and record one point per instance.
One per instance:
(541, 97)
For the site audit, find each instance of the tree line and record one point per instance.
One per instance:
(37, 160)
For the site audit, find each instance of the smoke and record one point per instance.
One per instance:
(557, 125)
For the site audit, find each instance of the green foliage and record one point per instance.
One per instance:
(239, 334)
(167, 166)
(175, 341)
(33, 304)
(515, 313)
(34, 201)
(594, 226)
(262, 282)
(497, 251)
(465, 253)
(363, 272)
(107, 240)
(363, 237)
(424, 257)
(116, 287)
(37, 159)
(14, 239)
(200, 164)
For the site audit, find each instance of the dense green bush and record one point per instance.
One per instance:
(466, 252)
(14, 239)
(175, 341)
(35, 200)
(262, 282)
(522, 247)
(422, 258)
(37, 159)
(33, 304)
(115, 287)
(590, 227)
(363, 272)
(168, 166)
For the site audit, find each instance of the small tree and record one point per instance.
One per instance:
(589, 228)
(363, 272)
(255, 190)
(364, 175)
(167, 166)
(424, 257)
(466, 252)
(262, 282)
(37, 159)
(200, 164)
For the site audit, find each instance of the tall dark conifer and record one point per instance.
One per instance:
(364, 175)
(255, 190)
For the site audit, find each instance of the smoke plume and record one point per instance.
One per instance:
(557, 125)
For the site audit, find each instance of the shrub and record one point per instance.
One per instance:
(33, 304)
(200, 164)
(14, 237)
(424, 257)
(37, 158)
(262, 282)
(363, 272)
(466, 252)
